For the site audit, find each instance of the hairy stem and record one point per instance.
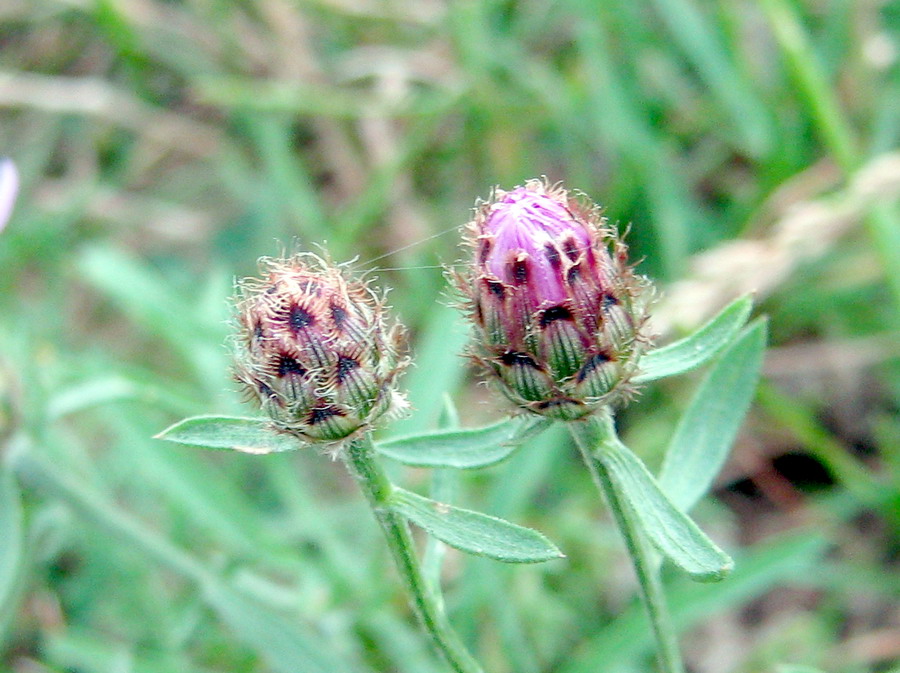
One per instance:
(592, 436)
(361, 461)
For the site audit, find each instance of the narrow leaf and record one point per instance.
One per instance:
(468, 448)
(708, 427)
(699, 347)
(759, 569)
(444, 488)
(474, 532)
(287, 646)
(444, 331)
(694, 31)
(672, 532)
(113, 388)
(248, 435)
(11, 556)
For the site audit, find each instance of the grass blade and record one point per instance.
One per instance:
(760, 569)
(286, 647)
(693, 32)
(11, 554)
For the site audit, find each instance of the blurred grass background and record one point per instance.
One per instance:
(164, 145)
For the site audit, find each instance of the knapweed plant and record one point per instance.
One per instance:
(560, 328)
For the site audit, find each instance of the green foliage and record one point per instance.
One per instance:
(707, 429)
(474, 532)
(760, 566)
(698, 348)
(469, 448)
(643, 504)
(164, 145)
(247, 435)
(12, 552)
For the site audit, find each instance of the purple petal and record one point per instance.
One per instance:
(9, 187)
(525, 224)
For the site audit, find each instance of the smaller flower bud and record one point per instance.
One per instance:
(314, 349)
(557, 310)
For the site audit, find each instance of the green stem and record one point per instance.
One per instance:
(591, 435)
(360, 459)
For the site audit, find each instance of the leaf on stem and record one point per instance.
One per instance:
(699, 347)
(247, 435)
(467, 448)
(708, 427)
(670, 530)
(474, 532)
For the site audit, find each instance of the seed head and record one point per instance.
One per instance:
(314, 349)
(557, 310)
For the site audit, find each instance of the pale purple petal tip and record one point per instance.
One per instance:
(530, 222)
(9, 187)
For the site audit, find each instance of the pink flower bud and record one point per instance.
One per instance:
(557, 310)
(314, 349)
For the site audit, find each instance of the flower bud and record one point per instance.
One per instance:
(314, 349)
(558, 312)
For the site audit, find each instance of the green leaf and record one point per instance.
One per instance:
(698, 37)
(476, 447)
(288, 647)
(287, 644)
(11, 556)
(444, 488)
(109, 388)
(144, 294)
(248, 435)
(759, 569)
(473, 532)
(699, 347)
(670, 530)
(444, 331)
(708, 427)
